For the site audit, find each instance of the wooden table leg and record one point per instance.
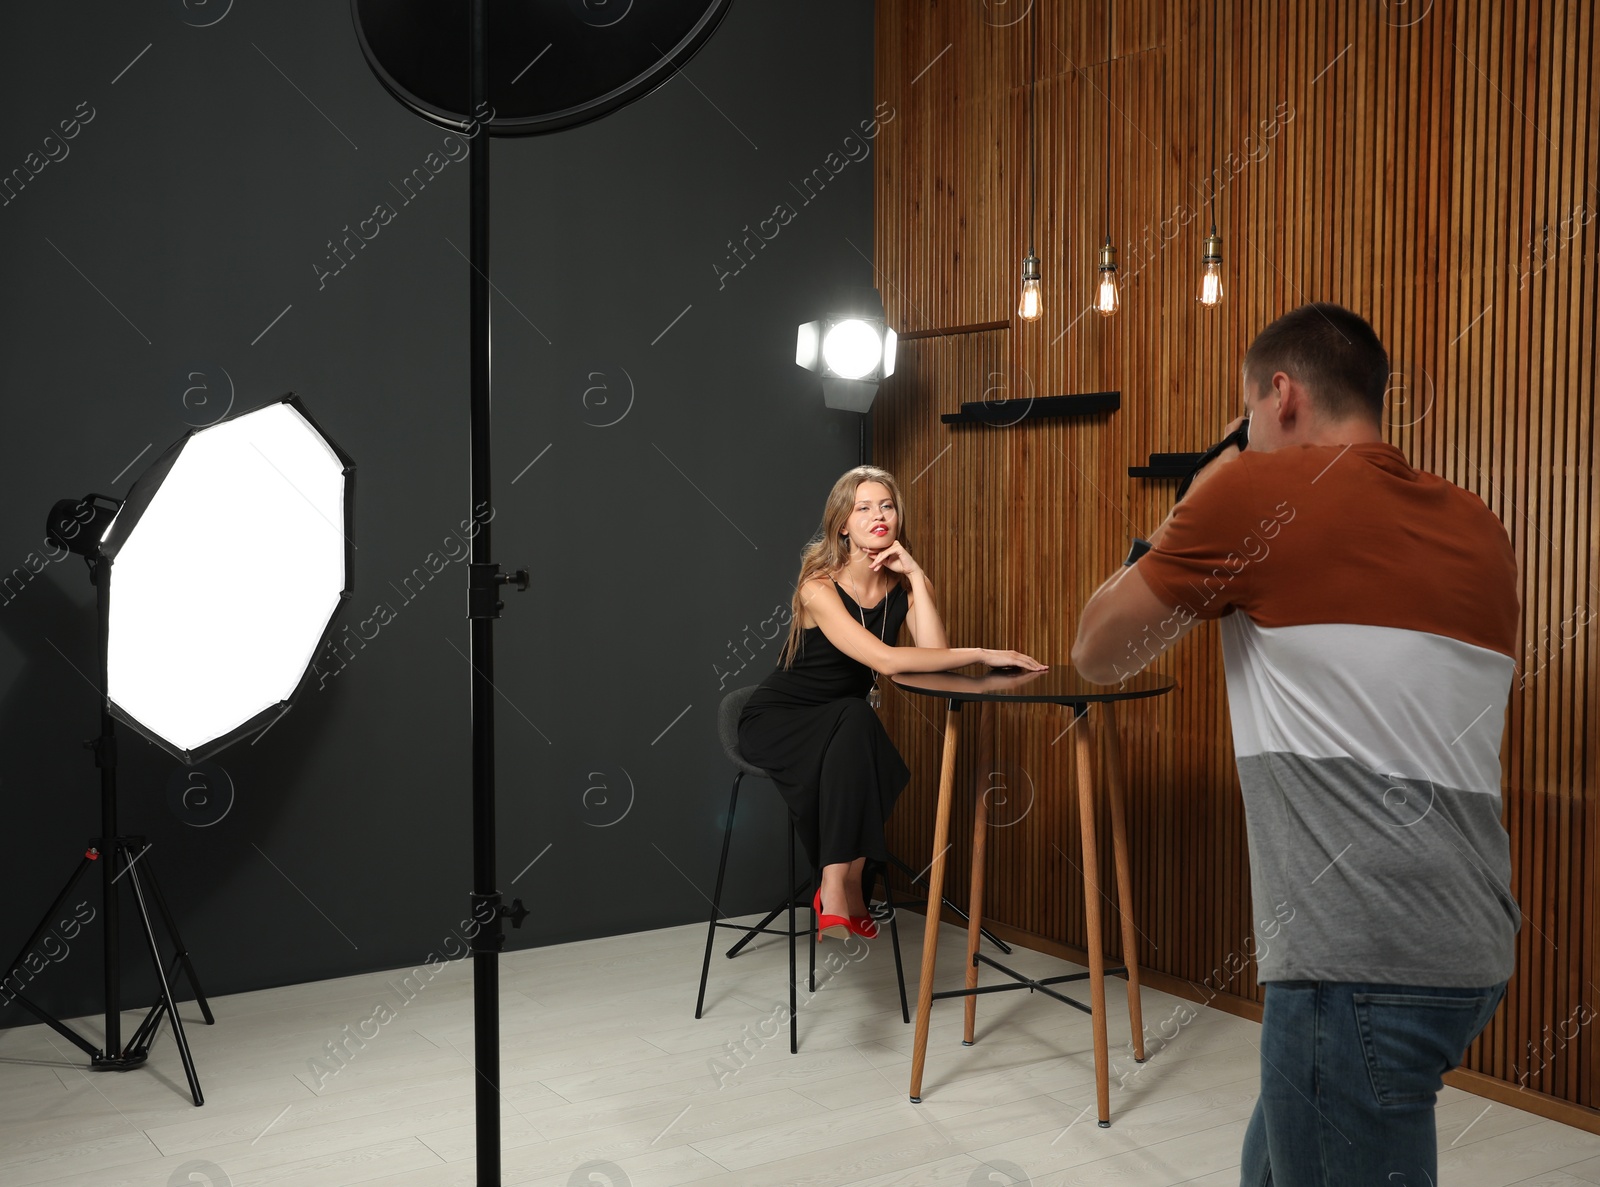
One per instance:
(930, 935)
(1091, 911)
(1119, 841)
(980, 831)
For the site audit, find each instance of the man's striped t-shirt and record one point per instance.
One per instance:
(1369, 629)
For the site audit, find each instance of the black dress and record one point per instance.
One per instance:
(811, 727)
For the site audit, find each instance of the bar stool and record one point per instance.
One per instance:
(800, 893)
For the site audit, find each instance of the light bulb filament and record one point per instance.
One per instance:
(1106, 300)
(1031, 305)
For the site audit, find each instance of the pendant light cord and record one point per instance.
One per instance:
(1033, 166)
(1215, 71)
(1108, 122)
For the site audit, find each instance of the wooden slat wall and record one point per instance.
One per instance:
(1433, 166)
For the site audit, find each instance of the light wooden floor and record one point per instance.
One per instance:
(603, 1062)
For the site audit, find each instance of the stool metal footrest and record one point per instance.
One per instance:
(797, 898)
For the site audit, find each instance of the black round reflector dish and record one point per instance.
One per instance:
(553, 64)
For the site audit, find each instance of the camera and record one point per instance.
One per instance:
(1240, 437)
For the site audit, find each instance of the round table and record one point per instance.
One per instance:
(1056, 686)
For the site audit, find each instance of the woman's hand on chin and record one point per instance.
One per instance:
(895, 558)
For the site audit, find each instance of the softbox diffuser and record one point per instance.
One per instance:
(228, 561)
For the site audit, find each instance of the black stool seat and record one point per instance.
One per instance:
(728, 729)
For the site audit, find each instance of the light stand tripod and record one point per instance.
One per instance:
(118, 857)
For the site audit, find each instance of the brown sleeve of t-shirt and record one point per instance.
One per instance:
(1209, 557)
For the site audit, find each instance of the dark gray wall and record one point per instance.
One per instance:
(148, 261)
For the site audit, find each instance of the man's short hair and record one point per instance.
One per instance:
(1334, 353)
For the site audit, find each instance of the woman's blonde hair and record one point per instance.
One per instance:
(829, 551)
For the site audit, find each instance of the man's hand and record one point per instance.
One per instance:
(1121, 618)
(1216, 463)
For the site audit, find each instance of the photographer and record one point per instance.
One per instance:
(1368, 613)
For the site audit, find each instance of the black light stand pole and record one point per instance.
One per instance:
(401, 44)
(105, 757)
(483, 607)
(115, 849)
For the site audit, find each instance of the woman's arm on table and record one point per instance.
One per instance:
(846, 633)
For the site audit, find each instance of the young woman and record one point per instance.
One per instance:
(810, 723)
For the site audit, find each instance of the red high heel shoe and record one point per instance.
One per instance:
(864, 926)
(829, 927)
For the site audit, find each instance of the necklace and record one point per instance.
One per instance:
(874, 697)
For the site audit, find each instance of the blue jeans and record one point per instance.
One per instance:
(1349, 1075)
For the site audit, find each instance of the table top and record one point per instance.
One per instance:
(1059, 685)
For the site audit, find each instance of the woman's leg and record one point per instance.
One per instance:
(841, 888)
(859, 764)
(853, 889)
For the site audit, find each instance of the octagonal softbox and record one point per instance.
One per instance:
(227, 564)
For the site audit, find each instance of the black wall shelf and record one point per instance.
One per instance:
(1005, 413)
(1167, 465)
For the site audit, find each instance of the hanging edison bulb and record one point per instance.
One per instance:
(1211, 276)
(1106, 300)
(1031, 305)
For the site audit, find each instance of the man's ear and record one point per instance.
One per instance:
(1292, 406)
(1295, 408)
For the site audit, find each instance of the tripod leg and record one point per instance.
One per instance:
(11, 970)
(166, 988)
(145, 1033)
(183, 950)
